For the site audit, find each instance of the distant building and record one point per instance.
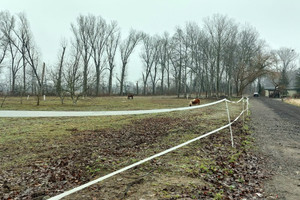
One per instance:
(271, 87)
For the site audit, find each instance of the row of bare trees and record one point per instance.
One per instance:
(95, 44)
(222, 57)
(219, 57)
(18, 45)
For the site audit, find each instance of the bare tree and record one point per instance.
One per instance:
(32, 58)
(252, 60)
(286, 58)
(220, 29)
(195, 40)
(98, 39)
(284, 62)
(24, 38)
(229, 58)
(208, 64)
(82, 32)
(190, 45)
(58, 73)
(7, 28)
(3, 37)
(111, 48)
(177, 58)
(163, 56)
(154, 71)
(15, 60)
(28, 52)
(126, 48)
(148, 56)
(73, 75)
(258, 68)
(3, 49)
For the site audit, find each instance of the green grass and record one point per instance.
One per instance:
(97, 103)
(26, 135)
(28, 140)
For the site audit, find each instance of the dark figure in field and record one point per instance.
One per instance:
(130, 96)
(194, 102)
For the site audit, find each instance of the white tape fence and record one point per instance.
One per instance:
(166, 151)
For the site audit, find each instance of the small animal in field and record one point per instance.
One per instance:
(195, 102)
(130, 96)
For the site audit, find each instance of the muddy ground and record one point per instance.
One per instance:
(276, 127)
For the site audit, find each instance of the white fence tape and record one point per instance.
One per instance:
(234, 101)
(151, 157)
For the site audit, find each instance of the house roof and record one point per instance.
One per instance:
(268, 84)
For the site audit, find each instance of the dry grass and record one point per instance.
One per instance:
(295, 102)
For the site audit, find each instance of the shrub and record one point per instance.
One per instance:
(296, 96)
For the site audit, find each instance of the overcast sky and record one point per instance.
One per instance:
(277, 21)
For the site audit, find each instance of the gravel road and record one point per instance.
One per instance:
(276, 127)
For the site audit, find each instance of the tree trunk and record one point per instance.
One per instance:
(13, 84)
(179, 81)
(24, 71)
(40, 86)
(110, 81)
(122, 78)
(85, 73)
(97, 81)
(144, 89)
(162, 80)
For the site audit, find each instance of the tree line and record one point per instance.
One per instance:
(218, 57)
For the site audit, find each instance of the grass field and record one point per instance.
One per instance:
(96, 103)
(41, 157)
(295, 102)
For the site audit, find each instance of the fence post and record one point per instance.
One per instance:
(228, 115)
(247, 106)
(243, 111)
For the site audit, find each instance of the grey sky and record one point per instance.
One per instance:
(277, 21)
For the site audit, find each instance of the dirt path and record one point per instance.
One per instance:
(276, 127)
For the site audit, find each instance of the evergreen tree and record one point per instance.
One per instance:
(298, 80)
(261, 89)
(283, 82)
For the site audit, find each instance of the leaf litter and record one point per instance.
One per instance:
(234, 173)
